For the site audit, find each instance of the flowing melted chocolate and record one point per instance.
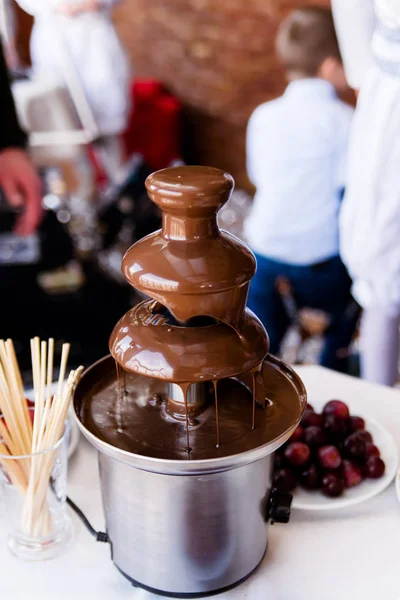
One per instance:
(143, 426)
(148, 341)
(195, 330)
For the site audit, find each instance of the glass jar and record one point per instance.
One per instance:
(33, 491)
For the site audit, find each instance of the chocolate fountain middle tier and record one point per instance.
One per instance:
(148, 341)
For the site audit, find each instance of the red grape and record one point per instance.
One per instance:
(285, 480)
(366, 436)
(312, 419)
(337, 408)
(374, 467)
(354, 445)
(371, 450)
(314, 436)
(298, 434)
(336, 427)
(297, 453)
(356, 423)
(279, 461)
(352, 474)
(309, 407)
(310, 478)
(332, 485)
(329, 457)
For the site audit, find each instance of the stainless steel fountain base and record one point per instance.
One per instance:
(189, 528)
(186, 535)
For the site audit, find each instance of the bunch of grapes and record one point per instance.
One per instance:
(330, 452)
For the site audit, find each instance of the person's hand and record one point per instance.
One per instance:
(22, 188)
(72, 9)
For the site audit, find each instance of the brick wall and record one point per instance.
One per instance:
(217, 56)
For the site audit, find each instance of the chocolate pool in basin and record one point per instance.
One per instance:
(188, 409)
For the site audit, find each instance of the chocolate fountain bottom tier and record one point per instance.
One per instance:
(138, 421)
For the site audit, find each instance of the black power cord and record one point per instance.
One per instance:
(100, 536)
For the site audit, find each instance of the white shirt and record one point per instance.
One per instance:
(368, 32)
(355, 22)
(296, 158)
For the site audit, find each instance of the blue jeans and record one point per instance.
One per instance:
(324, 286)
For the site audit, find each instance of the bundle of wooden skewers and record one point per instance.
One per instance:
(28, 449)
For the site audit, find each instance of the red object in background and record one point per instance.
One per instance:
(154, 125)
(153, 129)
(99, 173)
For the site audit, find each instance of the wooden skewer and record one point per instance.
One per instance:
(49, 383)
(11, 353)
(17, 401)
(55, 433)
(43, 372)
(10, 416)
(7, 439)
(35, 374)
(35, 504)
(38, 351)
(20, 386)
(63, 367)
(36, 500)
(59, 393)
(56, 417)
(13, 470)
(36, 387)
(17, 435)
(27, 512)
(39, 404)
(50, 360)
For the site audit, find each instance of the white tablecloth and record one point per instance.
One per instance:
(351, 554)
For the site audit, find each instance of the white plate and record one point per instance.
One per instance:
(315, 500)
(397, 481)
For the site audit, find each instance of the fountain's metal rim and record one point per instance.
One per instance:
(198, 467)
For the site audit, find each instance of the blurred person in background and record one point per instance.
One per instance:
(19, 180)
(296, 157)
(369, 34)
(20, 191)
(80, 33)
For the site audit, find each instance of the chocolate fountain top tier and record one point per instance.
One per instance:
(190, 266)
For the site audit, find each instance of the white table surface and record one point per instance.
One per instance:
(351, 554)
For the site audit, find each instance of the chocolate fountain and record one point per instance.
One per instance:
(188, 410)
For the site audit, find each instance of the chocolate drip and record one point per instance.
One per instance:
(120, 396)
(253, 418)
(185, 387)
